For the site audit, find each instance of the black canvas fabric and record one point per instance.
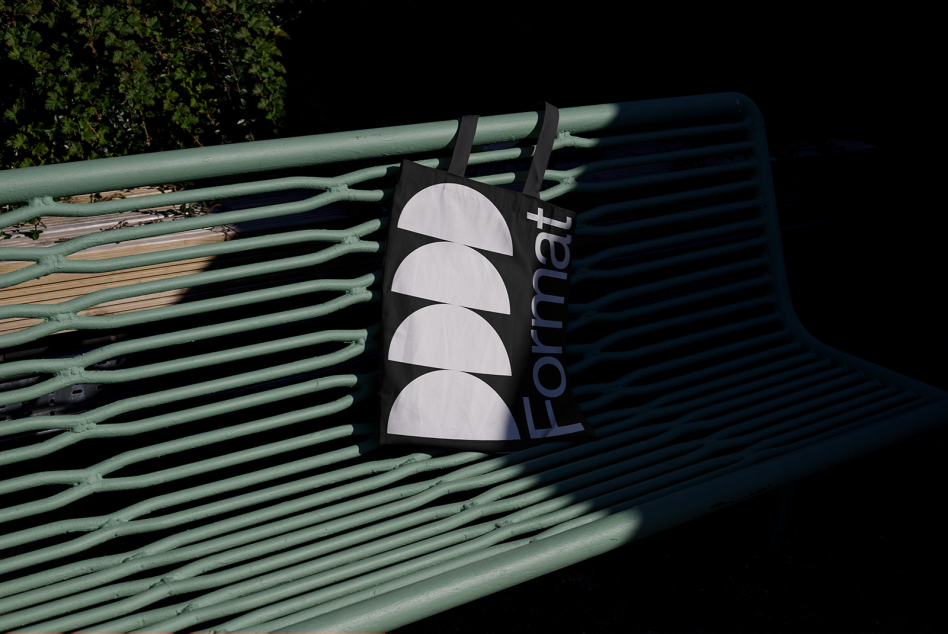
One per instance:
(474, 301)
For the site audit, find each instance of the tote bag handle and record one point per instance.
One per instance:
(541, 158)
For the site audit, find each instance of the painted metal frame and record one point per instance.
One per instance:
(396, 555)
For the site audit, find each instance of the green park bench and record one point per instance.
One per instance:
(188, 424)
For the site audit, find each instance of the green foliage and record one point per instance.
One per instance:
(86, 79)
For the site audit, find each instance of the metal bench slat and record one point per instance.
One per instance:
(227, 478)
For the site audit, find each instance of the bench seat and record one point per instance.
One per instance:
(214, 464)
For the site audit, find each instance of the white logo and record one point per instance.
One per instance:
(555, 429)
(449, 336)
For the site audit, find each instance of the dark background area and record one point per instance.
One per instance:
(849, 104)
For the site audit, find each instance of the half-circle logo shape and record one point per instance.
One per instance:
(456, 213)
(449, 338)
(454, 405)
(453, 274)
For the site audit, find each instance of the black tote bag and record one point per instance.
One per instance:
(474, 299)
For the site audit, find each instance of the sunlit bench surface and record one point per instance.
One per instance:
(188, 413)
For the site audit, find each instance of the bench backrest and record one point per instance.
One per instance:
(215, 368)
